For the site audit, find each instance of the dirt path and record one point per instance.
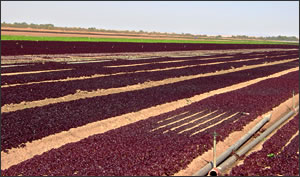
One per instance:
(37, 147)
(201, 161)
(101, 92)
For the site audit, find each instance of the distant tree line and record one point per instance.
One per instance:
(185, 35)
(276, 38)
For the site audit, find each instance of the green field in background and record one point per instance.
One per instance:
(88, 39)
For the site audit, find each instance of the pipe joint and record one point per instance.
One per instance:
(214, 172)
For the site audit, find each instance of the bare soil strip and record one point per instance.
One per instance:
(171, 118)
(98, 35)
(101, 92)
(120, 73)
(199, 123)
(201, 161)
(157, 128)
(8, 66)
(297, 133)
(33, 72)
(170, 61)
(30, 30)
(141, 64)
(37, 147)
(125, 55)
(96, 75)
(213, 124)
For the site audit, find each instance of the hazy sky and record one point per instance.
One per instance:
(252, 18)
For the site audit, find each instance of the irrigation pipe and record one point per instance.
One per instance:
(245, 149)
(203, 171)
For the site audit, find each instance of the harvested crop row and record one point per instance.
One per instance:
(272, 160)
(210, 59)
(87, 69)
(56, 65)
(59, 47)
(40, 91)
(136, 149)
(35, 123)
(34, 67)
(191, 63)
(146, 71)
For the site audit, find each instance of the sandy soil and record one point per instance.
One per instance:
(85, 35)
(91, 34)
(33, 72)
(37, 147)
(100, 92)
(64, 31)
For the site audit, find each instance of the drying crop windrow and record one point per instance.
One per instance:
(58, 47)
(34, 123)
(119, 62)
(34, 67)
(101, 63)
(137, 150)
(79, 71)
(272, 160)
(145, 66)
(40, 91)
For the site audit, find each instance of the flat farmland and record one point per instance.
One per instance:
(140, 113)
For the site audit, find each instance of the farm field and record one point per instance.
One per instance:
(8, 33)
(137, 40)
(141, 113)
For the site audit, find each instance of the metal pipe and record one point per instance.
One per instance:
(245, 149)
(214, 154)
(203, 171)
(293, 100)
(215, 171)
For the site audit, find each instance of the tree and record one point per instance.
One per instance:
(92, 29)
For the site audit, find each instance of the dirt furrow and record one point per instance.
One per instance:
(160, 62)
(37, 147)
(141, 64)
(120, 73)
(103, 75)
(34, 72)
(101, 92)
(296, 134)
(126, 55)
